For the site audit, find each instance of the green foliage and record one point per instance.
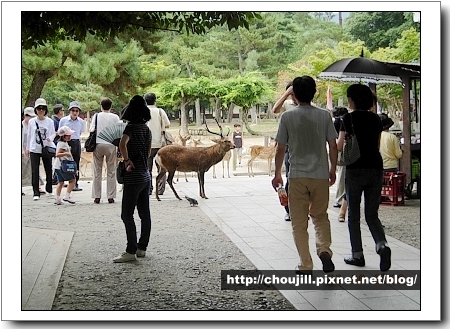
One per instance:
(41, 27)
(379, 29)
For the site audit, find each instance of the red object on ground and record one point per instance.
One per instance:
(393, 190)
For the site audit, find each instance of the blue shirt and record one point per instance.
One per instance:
(77, 125)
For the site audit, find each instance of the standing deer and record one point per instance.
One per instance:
(185, 159)
(263, 152)
(226, 158)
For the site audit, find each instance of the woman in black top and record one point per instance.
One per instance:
(135, 146)
(365, 175)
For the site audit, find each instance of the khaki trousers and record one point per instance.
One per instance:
(110, 153)
(309, 196)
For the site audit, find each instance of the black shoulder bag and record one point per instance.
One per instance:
(47, 151)
(91, 142)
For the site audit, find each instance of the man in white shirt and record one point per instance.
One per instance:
(75, 123)
(106, 150)
(158, 123)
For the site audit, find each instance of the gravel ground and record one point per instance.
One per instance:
(181, 271)
(402, 222)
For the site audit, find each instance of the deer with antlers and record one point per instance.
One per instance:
(263, 152)
(186, 159)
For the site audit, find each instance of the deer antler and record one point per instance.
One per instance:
(211, 132)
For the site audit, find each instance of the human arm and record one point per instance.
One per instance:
(340, 141)
(332, 154)
(124, 150)
(61, 152)
(165, 119)
(92, 125)
(51, 130)
(279, 160)
(279, 103)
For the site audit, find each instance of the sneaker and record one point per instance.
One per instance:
(97, 200)
(36, 197)
(110, 200)
(287, 217)
(58, 201)
(69, 199)
(76, 189)
(140, 253)
(124, 257)
(337, 205)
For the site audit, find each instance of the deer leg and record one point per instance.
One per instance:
(250, 167)
(185, 177)
(214, 171)
(161, 173)
(223, 169)
(201, 181)
(170, 181)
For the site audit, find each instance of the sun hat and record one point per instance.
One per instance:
(74, 104)
(64, 130)
(40, 102)
(386, 122)
(29, 111)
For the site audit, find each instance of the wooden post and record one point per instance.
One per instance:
(406, 156)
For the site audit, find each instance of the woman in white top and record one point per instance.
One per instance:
(45, 126)
(63, 153)
(103, 150)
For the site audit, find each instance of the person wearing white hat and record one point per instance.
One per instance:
(40, 126)
(63, 153)
(74, 122)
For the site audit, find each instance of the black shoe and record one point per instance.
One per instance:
(42, 192)
(302, 272)
(385, 258)
(337, 205)
(287, 217)
(327, 263)
(355, 261)
(76, 189)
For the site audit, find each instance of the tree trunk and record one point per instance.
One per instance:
(198, 114)
(246, 124)
(218, 110)
(37, 85)
(183, 117)
(241, 66)
(254, 115)
(230, 113)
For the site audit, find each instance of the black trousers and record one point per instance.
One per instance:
(35, 163)
(75, 149)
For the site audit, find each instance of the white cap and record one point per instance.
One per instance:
(40, 102)
(64, 130)
(29, 111)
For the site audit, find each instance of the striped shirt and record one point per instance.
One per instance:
(138, 146)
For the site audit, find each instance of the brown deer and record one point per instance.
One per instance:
(185, 159)
(263, 152)
(226, 158)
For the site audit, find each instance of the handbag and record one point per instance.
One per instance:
(350, 152)
(120, 171)
(47, 151)
(91, 142)
(68, 166)
(166, 138)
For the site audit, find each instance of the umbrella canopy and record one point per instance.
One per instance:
(360, 69)
(113, 133)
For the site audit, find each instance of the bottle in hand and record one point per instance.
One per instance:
(282, 195)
